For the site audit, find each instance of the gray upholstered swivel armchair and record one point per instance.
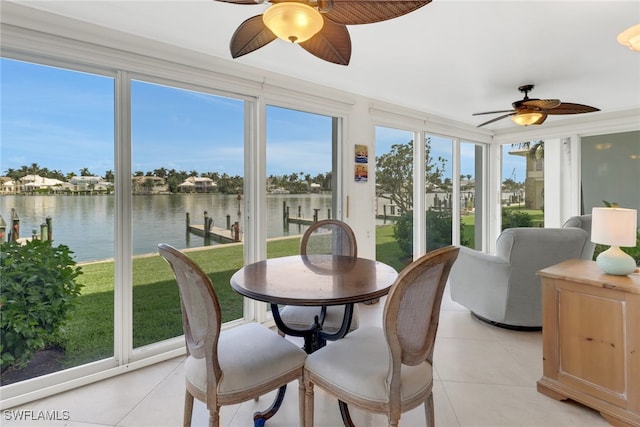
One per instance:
(504, 289)
(581, 221)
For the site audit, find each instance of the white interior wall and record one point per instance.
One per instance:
(359, 197)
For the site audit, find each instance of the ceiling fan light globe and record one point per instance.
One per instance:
(630, 38)
(293, 22)
(526, 118)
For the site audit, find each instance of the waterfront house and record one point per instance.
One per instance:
(198, 184)
(424, 74)
(84, 184)
(148, 185)
(9, 186)
(31, 183)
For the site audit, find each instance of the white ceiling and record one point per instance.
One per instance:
(451, 58)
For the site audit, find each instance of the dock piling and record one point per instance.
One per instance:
(44, 234)
(299, 219)
(49, 223)
(3, 229)
(14, 235)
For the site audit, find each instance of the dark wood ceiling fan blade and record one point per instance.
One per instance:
(332, 43)
(252, 34)
(494, 112)
(496, 119)
(352, 12)
(570, 108)
(544, 104)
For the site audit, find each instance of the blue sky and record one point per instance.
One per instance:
(63, 120)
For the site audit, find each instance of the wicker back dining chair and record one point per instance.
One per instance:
(390, 369)
(232, 366)
(329, 237)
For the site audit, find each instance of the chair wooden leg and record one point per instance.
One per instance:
(308, 403)
(301, 402)
(394, 418)
(188, 408)
(429, 411)
(214, 417)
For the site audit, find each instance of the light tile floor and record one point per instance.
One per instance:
(484, 377)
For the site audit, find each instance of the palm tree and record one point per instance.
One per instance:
(536, 151)
(34, 169)
(160, 173)
(109, 176)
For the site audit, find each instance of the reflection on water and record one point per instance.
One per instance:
(86, 223)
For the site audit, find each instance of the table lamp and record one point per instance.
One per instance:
(615, 227)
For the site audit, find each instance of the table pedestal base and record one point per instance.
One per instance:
(344, 413)
(259, 418)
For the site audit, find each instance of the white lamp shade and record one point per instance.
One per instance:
(614, 226)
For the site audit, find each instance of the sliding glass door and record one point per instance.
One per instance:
(58, 204)
(188, 165)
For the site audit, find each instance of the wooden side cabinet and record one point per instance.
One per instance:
(591, 339)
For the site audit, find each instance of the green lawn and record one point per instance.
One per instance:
(156, 308)
(468, 222)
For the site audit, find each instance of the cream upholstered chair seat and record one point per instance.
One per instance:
(250, 356)
(231, 366)
(390, 369)
(331, 237)
(363, 368)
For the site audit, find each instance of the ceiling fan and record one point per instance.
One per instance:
(533, 111)
(318, 26)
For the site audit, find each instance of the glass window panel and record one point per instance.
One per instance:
(188, 164)
(471, 194)
(611, 170)
(439, 191)
(57, 161)
(523, 185)
(611, 173)
(300, 176)
(394, 196)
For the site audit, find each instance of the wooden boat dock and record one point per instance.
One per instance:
(218, 234)
(299, 219)
(230, 234)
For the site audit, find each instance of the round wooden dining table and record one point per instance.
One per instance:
(312, 280)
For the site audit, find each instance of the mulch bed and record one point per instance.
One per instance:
(43, 362)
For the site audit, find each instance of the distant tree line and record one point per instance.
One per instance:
(294, 183)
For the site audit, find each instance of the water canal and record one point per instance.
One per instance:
(86, 223)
